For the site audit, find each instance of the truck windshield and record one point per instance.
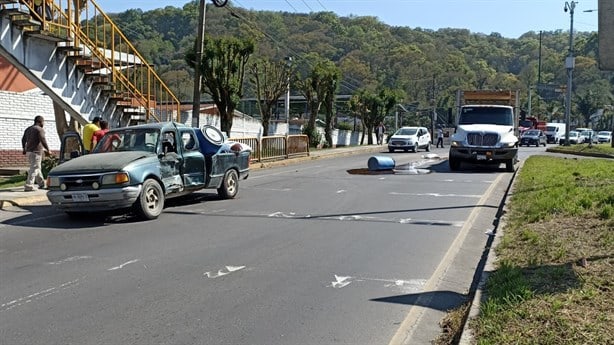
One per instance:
(486, 116)
(144, 139)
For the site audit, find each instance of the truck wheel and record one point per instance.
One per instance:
(454, 164)
(230, 185)
(428, 147)
(150, 203)
(509, 165)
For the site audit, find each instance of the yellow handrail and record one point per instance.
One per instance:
(91, 31)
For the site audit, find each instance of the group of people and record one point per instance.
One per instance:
(34, 146)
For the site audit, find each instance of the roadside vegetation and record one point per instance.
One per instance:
(580, 149)
(12, 181)
(555, 278)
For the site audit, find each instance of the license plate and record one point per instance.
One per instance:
(80, 197)
(481, 157)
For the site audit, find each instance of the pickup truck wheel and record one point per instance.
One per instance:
(150, 203)
(509, 165)
(428, 147)
(230, 185)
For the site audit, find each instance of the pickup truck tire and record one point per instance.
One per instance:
(230, 185)
(428, 147)
(150, 203)
(509, 165)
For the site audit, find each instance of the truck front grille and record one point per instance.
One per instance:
(79, 182)
(482, 139)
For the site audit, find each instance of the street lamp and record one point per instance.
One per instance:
(569, 65)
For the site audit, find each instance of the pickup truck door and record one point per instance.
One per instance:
(71, 147)
(193, 163)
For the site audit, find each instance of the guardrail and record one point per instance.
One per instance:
(276, 147)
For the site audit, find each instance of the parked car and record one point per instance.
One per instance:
(588, 134)
(410, 138)
(575, 137)
(533, 137)
(604, 136)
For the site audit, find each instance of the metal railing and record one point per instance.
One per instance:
(92, 37)
(276, 147)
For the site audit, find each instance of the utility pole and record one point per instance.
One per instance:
(200, 46)
(569, 65)
(200, 43)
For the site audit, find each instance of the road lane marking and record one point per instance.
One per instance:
(438, 195)
(37, 295)
(358, 218)
(122, 265)
(221, 272)
(69, 259)
(405, 286)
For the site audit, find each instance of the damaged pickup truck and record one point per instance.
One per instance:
(136, 168)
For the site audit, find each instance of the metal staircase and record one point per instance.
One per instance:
(78, 56)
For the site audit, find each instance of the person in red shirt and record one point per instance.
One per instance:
(104, 128)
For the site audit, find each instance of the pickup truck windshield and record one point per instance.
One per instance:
(486, 116)
(129, 140)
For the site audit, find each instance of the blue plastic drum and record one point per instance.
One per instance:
(381, 163)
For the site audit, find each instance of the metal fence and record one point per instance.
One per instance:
(276, 147)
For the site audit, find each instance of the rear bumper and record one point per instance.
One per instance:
(483, 155)
(95, 200)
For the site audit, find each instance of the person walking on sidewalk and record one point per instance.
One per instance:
(379, 132)
(439, 137)
(34, 145)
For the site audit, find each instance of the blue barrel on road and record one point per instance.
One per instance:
(380, 163)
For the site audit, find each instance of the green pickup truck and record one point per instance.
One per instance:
(136, 168)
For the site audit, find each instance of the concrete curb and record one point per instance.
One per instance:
(479, 296)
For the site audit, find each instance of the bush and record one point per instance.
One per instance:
(345, 126)
(315, 138)
(48, 163)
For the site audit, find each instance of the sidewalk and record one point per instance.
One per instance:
(16, 196)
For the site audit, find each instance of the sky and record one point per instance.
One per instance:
(510, 18)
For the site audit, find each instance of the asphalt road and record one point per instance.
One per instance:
(307, 254)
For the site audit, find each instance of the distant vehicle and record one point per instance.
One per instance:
(604, 136)
(410, 138)
(555, 132)
(589, 135)
(575, 138)
(533, 137)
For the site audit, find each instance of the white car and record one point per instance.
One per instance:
(410, 138)
(575, 137)
(604, 136)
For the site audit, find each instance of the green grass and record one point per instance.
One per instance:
(12, 181)
(554, 283)
(584, 149)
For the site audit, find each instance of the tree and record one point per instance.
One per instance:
(223, 65)
(314, 82)
(271, 81)
(331, 75)
(373, 108)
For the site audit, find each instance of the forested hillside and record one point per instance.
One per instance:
(427, 65)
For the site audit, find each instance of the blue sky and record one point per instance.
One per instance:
(510, 18)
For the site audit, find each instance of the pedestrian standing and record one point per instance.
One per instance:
(88, 133)
(379, 132)
(104, 128)
(439, 137)
(34, 145)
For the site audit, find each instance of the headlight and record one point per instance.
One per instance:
(455, 143)
(117, 178)
(53, 181)
(509, 144)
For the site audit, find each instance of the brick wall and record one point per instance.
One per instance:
(17, 112)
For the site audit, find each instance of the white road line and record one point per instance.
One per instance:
(70, 259)
(437, 195)
(37, 295)
(221, 272)
(122, 265)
